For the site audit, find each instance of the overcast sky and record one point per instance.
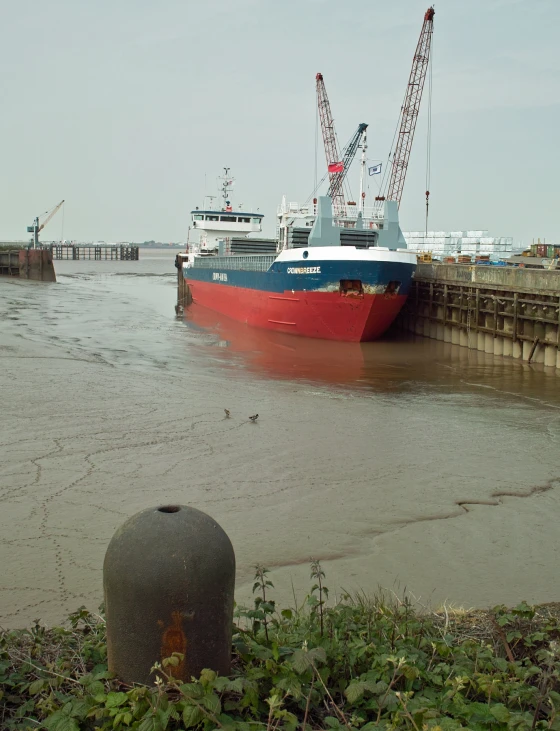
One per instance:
(129, 109)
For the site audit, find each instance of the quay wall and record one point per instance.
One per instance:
(34, 264)
(507, 311)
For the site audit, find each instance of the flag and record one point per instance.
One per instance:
(336, 167)
(375, 169)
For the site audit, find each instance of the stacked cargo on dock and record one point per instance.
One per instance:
(442, 244)
(550, 251)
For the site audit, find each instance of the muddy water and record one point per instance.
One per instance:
(403, 463)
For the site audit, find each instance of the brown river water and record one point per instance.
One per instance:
(407, 464)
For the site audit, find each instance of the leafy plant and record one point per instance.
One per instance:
(365, 663)
(319, 592)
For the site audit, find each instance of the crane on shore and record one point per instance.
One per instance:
(334, 162)
(338, 163)
(36, 228)
(348, 155)
(410, 110)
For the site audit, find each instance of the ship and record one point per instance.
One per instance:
(342, 277)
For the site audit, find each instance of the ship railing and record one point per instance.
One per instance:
(348, 212)
(368, 214)
(239, 262)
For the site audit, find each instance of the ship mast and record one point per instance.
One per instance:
(227, 186)
(363, 173)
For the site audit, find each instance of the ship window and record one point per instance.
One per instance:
(256, 220)
(212, 218)
(244, 220)
(198, 217)
(228, 218)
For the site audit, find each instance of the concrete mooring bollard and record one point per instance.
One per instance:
(168, 579)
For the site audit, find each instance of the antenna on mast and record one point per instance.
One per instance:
(227, 186)
(363, 145)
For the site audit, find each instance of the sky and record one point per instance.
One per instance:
(129, 110)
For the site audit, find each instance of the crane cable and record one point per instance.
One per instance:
(386, 176)
(316, 141)
(429, 137)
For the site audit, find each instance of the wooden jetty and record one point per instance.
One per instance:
(507, 311)
(95, 252)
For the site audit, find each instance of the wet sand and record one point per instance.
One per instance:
(408, 463)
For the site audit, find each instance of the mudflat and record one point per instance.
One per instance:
(405, 463)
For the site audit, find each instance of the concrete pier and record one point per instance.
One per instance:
(509, 312)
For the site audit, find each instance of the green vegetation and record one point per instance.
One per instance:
(13, 247)
(359, 664)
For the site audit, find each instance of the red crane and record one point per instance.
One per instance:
(334, 162)
(410, 109)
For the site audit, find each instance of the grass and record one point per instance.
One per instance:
(361, 664)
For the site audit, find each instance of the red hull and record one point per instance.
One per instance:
(327, 315)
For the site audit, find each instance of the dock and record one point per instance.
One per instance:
(94, 252)
(506, 311)
(34, 264)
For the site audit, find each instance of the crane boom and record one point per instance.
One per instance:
(348, 154)
(410, 108)
(36, 227)
(51, 214)
(329, 139)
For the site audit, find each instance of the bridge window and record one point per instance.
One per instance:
(198, 217)
(244, 220)
(212, 218)
(256, 220)
(230, 219)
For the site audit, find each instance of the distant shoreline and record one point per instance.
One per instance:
(23, 245)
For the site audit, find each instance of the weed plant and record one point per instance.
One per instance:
(359, 664)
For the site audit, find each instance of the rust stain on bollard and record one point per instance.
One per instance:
(175, 640)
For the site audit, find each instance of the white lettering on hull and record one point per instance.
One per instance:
(218, 277)
(304, 270)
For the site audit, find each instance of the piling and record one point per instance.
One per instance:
(184, 295)
(105, 252)
(168, 579)
(504, 311)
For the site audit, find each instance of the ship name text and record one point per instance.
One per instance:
(304, 270)
(219, 277)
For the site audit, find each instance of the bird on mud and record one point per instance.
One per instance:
(254, 417)
(227, 413)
